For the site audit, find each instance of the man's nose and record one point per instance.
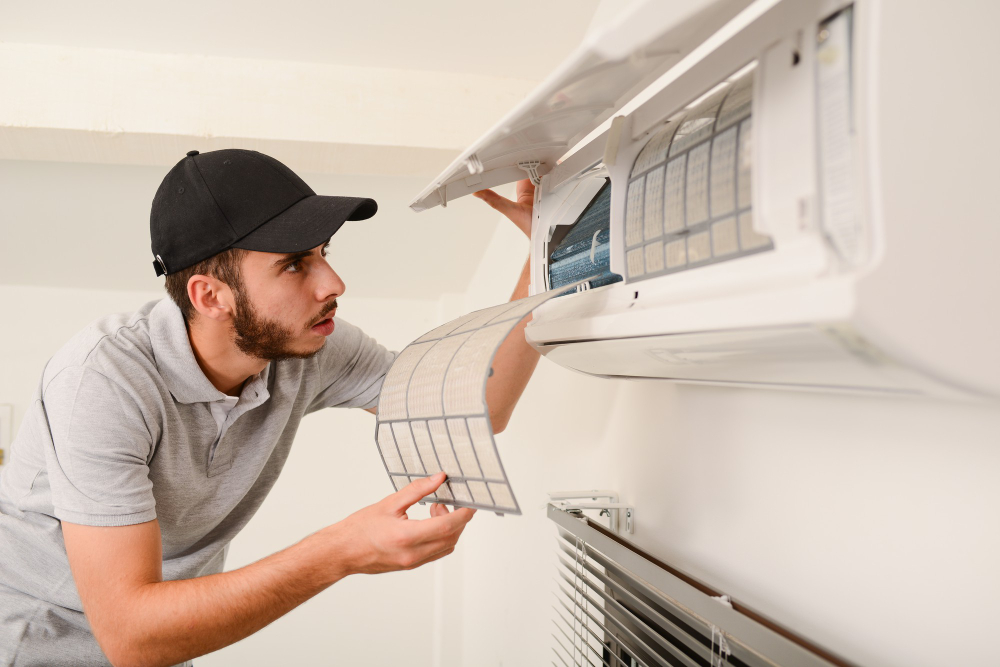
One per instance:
(331, 286)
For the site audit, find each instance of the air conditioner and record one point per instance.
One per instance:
(803, 199)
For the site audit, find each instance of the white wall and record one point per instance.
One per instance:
(867, 525)
(37, 321)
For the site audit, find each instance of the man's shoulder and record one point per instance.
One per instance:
(117, 346)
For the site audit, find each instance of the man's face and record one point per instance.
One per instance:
(286, 306)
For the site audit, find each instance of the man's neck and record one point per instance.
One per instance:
(225, 366)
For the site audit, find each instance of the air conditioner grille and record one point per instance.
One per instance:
(688, 202)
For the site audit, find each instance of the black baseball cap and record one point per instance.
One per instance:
(235, 198)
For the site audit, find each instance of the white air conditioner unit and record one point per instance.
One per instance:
(804, 198)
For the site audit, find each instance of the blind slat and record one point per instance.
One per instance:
(603, 643)
(621, 628)
(585, 640)
(649, 631)
(572, 653)
(608, 564)
(677, 633)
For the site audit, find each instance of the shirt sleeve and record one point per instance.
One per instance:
(98, 456)
(351, 367)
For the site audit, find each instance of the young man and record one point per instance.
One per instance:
(153, 438)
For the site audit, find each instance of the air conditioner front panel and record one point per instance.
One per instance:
(817, 356)
(605, 72)
(750, 292)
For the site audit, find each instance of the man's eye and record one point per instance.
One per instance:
(294, 267)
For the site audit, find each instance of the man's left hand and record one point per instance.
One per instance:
(518, 211)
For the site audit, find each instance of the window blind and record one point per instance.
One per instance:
(617, 606)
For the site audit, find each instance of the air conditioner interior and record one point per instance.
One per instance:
(582, 250)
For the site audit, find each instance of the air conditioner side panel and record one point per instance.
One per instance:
(933, 298)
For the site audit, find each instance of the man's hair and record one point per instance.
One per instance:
(225, 266)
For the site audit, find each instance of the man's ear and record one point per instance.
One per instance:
(211, 297)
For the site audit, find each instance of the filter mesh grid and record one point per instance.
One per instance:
(432, 413)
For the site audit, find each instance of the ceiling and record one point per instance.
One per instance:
(85, 225)
(524, 39)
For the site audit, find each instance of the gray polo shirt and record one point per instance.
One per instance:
(121, 431)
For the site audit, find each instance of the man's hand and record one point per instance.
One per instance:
(380, 538)
(518, 211)
(139, 619)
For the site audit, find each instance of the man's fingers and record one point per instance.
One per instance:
(415, 491)
(438, 509)
(525, 190)
(498, 202)
(450, 520)
(446, 524)
(444, 527)
(463, 514)
(518, 212)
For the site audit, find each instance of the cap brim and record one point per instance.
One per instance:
(307, 223)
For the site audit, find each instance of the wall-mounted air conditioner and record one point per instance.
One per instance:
(800, 201)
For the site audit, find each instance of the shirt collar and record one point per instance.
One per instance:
(176, 363)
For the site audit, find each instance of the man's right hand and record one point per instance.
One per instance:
(381, 538)
(139, 619)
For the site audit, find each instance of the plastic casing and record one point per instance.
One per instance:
(913, 311)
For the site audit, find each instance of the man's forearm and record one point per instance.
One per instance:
(513, 365)
(172, 621)
(139, 619)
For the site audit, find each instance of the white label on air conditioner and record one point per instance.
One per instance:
(836, 141)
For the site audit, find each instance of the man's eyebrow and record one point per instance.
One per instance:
(287, 259)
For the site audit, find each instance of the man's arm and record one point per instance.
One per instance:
(139, 619)
(515, 361)
(513, 365)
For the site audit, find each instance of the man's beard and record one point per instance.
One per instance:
(259, 337)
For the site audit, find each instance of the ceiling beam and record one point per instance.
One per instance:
(73, 104)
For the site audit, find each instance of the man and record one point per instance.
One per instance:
(153, 438)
